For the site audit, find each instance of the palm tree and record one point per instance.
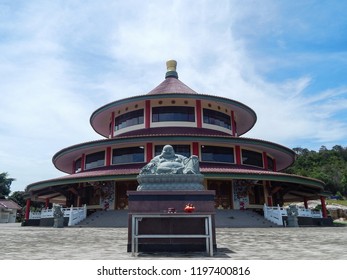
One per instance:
(5, 183)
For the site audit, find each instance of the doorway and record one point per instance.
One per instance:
(121, 193)
(223, 193)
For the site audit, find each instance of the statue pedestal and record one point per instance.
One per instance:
(58, 222)
(292, 216)
(159, 202)
(293, 221)
(171, 182)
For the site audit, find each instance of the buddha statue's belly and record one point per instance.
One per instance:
(169, 167)
(170, 164)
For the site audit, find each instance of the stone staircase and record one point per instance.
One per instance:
(241, 219)
(223, 219)
(110, 218)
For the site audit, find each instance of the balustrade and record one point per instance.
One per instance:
(276, 214)
(75, 214)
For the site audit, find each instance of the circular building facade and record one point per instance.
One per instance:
(244, 172)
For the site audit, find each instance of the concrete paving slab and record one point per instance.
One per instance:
(39, 243)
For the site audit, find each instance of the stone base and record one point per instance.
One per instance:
(58, 222)
(312, 222)
(170, 182)
(158, 202)
(49, 222)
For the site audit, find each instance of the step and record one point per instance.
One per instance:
(223, 219)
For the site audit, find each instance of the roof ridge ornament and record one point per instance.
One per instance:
(171, 69)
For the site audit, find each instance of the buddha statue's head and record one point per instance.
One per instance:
(168, 152)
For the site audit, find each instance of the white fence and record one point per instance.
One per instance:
(310, 213)
(34, 215)
(276, 214)
(75, 214)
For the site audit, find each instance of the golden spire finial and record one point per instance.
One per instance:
(171, 65)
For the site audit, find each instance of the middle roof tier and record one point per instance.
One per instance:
(208, 145)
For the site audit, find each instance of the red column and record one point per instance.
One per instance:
(275, 165)
(47, 203)
(324, 207)
(112, 124)
(196, 148)
(83, 162)
(305, 202)
(233, 124)
(265, 163)
(27, 209)
(238, 155)
(108, 156)
(269, 201)
(267, 185)
(148, 114)
(149, 151)
(198, 114)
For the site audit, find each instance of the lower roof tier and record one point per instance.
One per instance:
(303, 186)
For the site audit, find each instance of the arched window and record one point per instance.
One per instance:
(129, 119)
(252, 158)
(217, 118)
(95, 160)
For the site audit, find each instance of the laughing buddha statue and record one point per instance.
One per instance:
(170, 163)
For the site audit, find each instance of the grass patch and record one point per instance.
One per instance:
(340, 224)
(340, 202)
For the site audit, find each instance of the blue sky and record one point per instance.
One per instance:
(61, 60)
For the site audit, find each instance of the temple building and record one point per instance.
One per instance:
(244, 172)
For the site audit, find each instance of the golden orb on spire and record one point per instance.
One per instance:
(171, 65)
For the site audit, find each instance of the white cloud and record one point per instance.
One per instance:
(61, 61)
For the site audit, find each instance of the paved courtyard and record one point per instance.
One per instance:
(37, 243)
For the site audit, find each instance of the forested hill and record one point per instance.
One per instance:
(330, 166)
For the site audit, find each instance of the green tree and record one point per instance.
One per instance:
(329, 166)
(5, 184)
(18, 197)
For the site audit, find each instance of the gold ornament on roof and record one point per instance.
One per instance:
(171, 65)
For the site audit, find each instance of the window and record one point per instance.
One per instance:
(217, 154)
(128, 155)
(173, 114)
(78, 165)
(252, 158)
(270, 163)
(183, 150)
(129, 119)
(95, 160)
(217, 118)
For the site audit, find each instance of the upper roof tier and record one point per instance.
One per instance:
(173, 92)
